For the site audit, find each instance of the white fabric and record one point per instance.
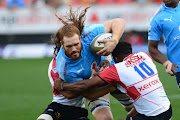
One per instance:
(77, 102)
(152, 99)
(138, 77)
(45, 117)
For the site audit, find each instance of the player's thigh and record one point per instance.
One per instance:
(100, 108)
(178, 79)
(123, 99)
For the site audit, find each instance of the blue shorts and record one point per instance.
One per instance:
(178, 79)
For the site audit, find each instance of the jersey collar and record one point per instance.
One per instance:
(170, 8)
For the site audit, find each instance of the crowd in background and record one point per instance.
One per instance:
(56, 3)
(134, 37)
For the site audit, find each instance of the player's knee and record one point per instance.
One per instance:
(125, 101)
(44, 117)
(104, 117)
(97, 104)
(100, 109)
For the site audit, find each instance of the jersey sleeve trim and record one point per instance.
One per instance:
(103, 79)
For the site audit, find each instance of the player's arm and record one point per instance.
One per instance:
(116, 26)
(155, 53)
(96, 92)
(85, 87)
(69, 94)
(159, 57)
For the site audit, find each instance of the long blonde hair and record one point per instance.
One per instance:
(74, 24)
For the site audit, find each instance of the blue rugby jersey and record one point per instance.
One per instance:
(74, 70)
(167, 21)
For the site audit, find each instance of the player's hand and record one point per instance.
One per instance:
(58, 85)
(132, 113)
(109, 46)
(105, 63)
(170, 67)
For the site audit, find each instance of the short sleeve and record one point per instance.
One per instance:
(154, 31)
(109, 74)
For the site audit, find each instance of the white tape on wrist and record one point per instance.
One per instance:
(109, 58)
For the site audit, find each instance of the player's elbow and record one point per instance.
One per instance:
(92, 97)
(121, 21)
(69, 94)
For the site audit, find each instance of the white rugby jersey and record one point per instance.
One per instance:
(138, 77)
(57, 97)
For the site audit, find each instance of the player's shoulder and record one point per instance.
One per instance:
(158, 14)
(145, 54)
(91, 28)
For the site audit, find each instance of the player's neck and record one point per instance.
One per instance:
(173, 5)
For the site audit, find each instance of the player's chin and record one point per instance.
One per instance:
(75, 56)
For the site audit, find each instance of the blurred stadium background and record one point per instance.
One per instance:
(25, 50)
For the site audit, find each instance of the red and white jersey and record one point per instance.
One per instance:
(138, 77)
(57, 97)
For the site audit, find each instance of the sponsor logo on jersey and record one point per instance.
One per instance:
(58, 115)
(134, 60)
(148, 85)
(177, 37)
(65, 69)
(81, 69)
(168, 19)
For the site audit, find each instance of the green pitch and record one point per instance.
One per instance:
(25, 90)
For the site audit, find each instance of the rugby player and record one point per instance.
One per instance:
(134, 74)
(74, 61)
(166, 21)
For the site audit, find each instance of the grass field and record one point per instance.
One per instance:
(25, 90)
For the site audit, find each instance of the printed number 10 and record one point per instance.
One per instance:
(144, 67)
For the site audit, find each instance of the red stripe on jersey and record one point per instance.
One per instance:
(157, 13)
(54, 76)
(143, 80)
(109, 74)
(131, 91)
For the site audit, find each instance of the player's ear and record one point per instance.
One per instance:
(61, 43)
(115, 59)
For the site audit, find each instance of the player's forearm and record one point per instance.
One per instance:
(69, 94)
(60, 85)
(157, 55)
(77, 87)
(97, 92)
(118, 27)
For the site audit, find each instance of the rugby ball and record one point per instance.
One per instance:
(95, 45)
